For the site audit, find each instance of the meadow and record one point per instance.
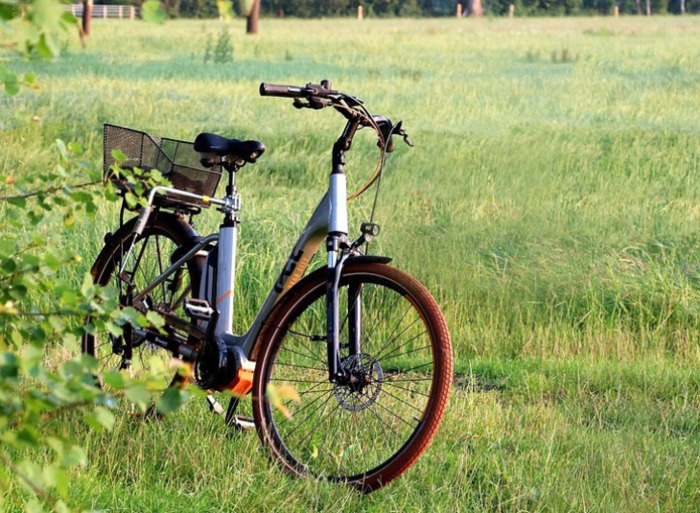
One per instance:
(551, 204)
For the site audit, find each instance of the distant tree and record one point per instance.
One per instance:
(251, 26)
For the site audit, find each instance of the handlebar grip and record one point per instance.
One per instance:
(284, 91)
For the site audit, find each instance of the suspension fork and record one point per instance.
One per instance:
(335, 268)
(353, 319)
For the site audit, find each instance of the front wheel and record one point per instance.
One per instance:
(369, 429)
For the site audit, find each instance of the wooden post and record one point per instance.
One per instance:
(87, 16)
(511, 10)
(616, 11)
(133, 13)
(251, 26)
(360, 14)
(459, 10)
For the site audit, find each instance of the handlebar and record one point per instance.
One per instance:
(310, 90)
(318, 96)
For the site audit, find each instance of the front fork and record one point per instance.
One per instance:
(336, 265)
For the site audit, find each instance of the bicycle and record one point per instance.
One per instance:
(363, 346)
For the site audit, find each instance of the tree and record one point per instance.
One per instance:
(251, 26)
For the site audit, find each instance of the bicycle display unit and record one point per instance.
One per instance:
(363, 346)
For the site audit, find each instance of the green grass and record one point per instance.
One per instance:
(550, 204)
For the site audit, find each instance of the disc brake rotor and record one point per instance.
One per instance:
(363, 385)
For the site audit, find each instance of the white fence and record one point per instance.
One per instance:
(125, 12)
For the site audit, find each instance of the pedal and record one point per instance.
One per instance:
(214, 405)
(240, 423)
(237, 422)
(198, 309)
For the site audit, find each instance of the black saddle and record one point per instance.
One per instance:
(221, 146)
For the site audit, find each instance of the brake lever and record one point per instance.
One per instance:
(400, 130)
(312, 103)
(397, 129)
(319, 103)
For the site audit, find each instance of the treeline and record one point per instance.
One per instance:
(419, 8)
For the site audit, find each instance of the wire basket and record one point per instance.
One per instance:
(175, 159)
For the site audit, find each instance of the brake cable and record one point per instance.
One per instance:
(377, 177)
(382, 155)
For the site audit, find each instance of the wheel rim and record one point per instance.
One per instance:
(351, 430)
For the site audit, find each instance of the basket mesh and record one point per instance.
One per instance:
(176, 159)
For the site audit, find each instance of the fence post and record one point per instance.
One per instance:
(88, 6)
(360, 14)
(459, 10)
(511, 10)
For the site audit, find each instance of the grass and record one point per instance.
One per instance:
(550, 204)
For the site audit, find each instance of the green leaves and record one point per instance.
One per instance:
(171, 400)
(10, 81)
(42, 299)
(100, 419)
(134, 183)
(8, 10)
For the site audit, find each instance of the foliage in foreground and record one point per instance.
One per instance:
(40, 305)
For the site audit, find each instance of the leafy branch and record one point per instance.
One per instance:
(49, 190)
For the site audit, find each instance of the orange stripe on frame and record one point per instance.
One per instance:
(226, 294)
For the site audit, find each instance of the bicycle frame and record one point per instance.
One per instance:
(329, 221)
(329, 217)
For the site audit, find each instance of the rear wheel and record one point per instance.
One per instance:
(373, 426)
(128, 350)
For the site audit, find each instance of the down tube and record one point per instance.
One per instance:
(314, 234)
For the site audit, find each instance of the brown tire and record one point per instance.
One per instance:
(370, 430)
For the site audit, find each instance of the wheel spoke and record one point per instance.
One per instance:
(391, 383)
(392, 355)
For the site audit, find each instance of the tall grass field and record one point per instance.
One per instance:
(551, 204)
